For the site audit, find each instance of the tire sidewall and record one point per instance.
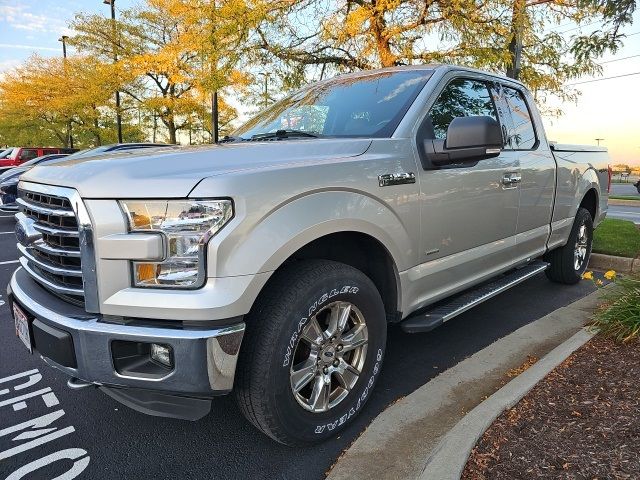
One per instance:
(583, 218)
(306, 426)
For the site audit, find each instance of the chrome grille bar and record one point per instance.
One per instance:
(47, 266)
(54, 287)
(48, 249)
(60, 232)
(45, 210)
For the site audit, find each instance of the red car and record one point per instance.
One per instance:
(20, 155)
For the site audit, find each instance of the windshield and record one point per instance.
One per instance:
(90, 152)
(5, 153)
(41, 159)
(366, 106)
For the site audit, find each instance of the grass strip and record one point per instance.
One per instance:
(617, 237)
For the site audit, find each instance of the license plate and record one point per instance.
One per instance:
(22, 326)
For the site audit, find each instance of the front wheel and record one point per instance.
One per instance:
(568, 263)
(312, 351)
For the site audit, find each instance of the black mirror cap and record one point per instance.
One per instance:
(469, 132)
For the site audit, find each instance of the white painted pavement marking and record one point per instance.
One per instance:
(5, 233)
(8, 262)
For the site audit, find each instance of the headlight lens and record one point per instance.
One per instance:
(187, 226)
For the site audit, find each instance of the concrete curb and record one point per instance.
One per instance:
(451, 455)
(600, 261)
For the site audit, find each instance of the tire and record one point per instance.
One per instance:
(276, 341)
(563, 267)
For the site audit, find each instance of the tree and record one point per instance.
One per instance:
(178, 51)
(518, 37)
(621, 168)
(39, 99)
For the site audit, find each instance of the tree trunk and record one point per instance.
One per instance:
(171, 126)
(518, 17)
(377, 28)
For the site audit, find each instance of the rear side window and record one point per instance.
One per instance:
(460, 98)
(521, 134)
(28, 154)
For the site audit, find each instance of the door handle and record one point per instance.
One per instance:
(511, 179)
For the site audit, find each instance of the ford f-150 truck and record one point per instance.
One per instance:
(272, 263)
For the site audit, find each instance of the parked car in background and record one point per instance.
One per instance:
(637, 185)
(20, 155)
(6, 152)
(9, 180)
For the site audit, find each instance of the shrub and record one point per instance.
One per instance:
(619, 316)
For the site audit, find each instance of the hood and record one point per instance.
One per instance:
(13, 173)
(173, 173)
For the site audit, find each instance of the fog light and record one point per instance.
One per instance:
(162, 354)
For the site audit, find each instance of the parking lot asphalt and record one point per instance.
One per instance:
(624, 212)
(109, 441)
(624, 189)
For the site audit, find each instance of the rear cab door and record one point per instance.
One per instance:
(525, 143)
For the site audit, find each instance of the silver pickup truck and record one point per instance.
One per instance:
(273, 263)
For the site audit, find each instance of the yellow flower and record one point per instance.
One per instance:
(610, 275)
(599, 283)
(587, 275)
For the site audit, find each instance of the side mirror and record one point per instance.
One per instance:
(469, 139)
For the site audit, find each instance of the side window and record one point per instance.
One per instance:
(28, 155)
(521, 134)
(460, 98)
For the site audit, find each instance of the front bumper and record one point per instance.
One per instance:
(204, 359)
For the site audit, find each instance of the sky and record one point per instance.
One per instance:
(608, 109)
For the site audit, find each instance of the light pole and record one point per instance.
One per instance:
(112, 3)
(266, 88)
(599, 140)
(214, 117)
(63, 39)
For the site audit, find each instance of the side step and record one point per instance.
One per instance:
(427, 321)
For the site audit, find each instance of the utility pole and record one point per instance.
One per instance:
(599, 140)
(63, 39)
(112, 3)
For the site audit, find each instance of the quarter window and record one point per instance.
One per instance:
(460, 98)
(521, 134)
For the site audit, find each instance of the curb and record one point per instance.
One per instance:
(451, 455)
(601, 261)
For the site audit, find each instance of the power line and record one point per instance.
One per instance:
(618, 59)
(604, 78)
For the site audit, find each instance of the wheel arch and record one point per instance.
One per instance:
(363, 252)
(590, 202)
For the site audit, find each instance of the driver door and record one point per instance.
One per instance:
(469, 211)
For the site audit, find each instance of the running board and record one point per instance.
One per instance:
(427, 321)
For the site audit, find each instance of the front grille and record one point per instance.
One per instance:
(53, 260)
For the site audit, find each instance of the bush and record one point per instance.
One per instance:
(619, 317)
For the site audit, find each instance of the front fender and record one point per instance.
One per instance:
(267, 242)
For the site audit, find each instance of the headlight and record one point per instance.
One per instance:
(187, 226)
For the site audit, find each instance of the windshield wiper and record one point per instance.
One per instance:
(283, 134)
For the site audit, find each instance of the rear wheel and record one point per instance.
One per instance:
(568, 263)
(312, 352)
